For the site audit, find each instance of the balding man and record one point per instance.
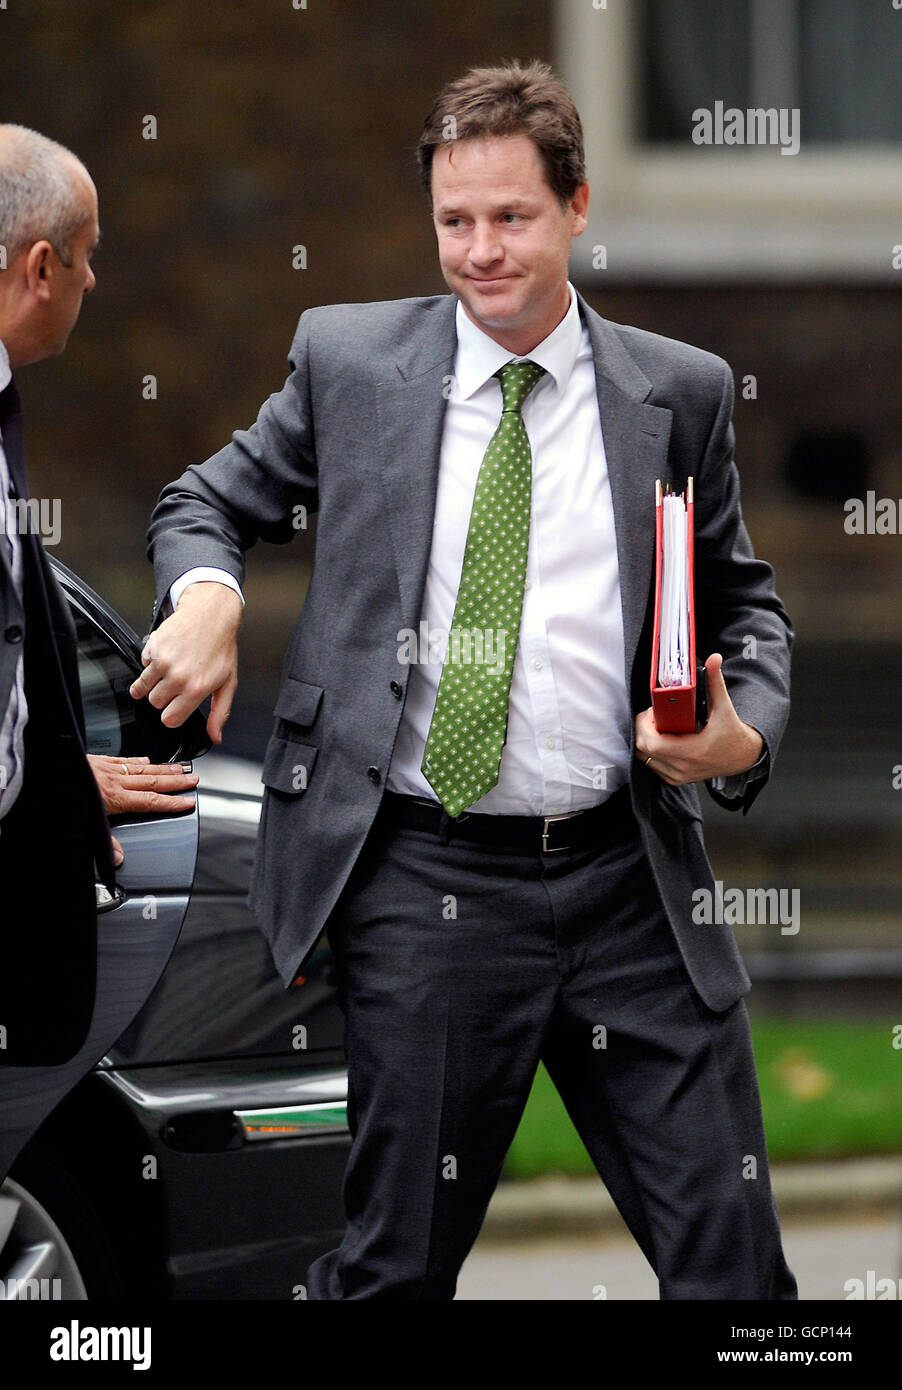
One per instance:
(52, 795)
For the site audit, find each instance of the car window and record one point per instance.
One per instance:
(115, 724)
(99, 666)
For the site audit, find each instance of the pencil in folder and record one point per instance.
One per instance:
(673, 671)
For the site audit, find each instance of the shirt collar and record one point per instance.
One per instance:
(6, 375)
(479, 356)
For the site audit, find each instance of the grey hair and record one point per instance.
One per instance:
(39, 194)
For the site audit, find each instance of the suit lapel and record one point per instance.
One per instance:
(411, 408)
(636, 439)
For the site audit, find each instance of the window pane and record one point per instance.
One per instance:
(851, 70)
(100, 670)
(115, 724)
(693, 54)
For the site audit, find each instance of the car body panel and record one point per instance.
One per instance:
(213, 1004)
(201, 1071)
(135, 936)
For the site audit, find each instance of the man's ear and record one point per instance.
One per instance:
(39, 268)
(579, 208)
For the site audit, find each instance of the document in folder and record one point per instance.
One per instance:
(673, 671)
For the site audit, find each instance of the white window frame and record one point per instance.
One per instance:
(660, 212)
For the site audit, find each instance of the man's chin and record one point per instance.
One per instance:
(486, 314)
(57, 348)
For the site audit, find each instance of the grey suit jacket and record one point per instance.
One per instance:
(355, 433)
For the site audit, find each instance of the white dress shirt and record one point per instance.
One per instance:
(15, 716)
(568, 737)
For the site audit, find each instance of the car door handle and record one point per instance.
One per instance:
(107, 901)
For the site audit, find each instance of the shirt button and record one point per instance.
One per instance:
(538, 663)
(527, 584)
(396, 690)
(13, 633)
(549, 743)
(374, 775)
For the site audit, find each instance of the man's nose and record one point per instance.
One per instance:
(90, 281)
(485, 246)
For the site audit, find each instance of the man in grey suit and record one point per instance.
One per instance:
(464, 783)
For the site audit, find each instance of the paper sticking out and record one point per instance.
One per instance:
(673, 649)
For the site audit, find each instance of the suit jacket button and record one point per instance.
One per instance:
(13, 633)
(374, 775)
(396, 690)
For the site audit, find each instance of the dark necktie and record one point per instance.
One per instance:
(11, 430)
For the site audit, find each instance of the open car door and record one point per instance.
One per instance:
(137, 926)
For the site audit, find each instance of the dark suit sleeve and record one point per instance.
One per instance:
(251, 490)
(738, 612)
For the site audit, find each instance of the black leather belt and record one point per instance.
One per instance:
(597, 826)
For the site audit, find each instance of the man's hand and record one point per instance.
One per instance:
(136, 784)
(724, 746)
(193, 654)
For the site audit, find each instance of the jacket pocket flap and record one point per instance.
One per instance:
(288, 765)
(298, 701)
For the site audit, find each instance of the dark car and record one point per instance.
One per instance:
(195, 1146)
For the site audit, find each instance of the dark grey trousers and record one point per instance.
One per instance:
(459, 967)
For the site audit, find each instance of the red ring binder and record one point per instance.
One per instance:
(674, 706)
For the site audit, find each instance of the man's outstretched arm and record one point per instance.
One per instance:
(209, 517)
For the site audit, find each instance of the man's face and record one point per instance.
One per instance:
(70, 284)
(503, 237)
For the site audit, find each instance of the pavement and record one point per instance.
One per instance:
(563, 1238)
(561, 1206)
(833, 1259)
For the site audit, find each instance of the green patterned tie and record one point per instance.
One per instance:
(469, 723)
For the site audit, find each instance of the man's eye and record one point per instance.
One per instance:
(512, 217)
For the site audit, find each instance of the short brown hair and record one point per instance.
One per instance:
(512, 99)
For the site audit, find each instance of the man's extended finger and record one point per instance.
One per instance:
(220, 709)
(144, 802)
(148, 769)
(144, 684)
(164, 772)
(174, 713)
(160, 781)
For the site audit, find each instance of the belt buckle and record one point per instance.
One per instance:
(562, 815)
